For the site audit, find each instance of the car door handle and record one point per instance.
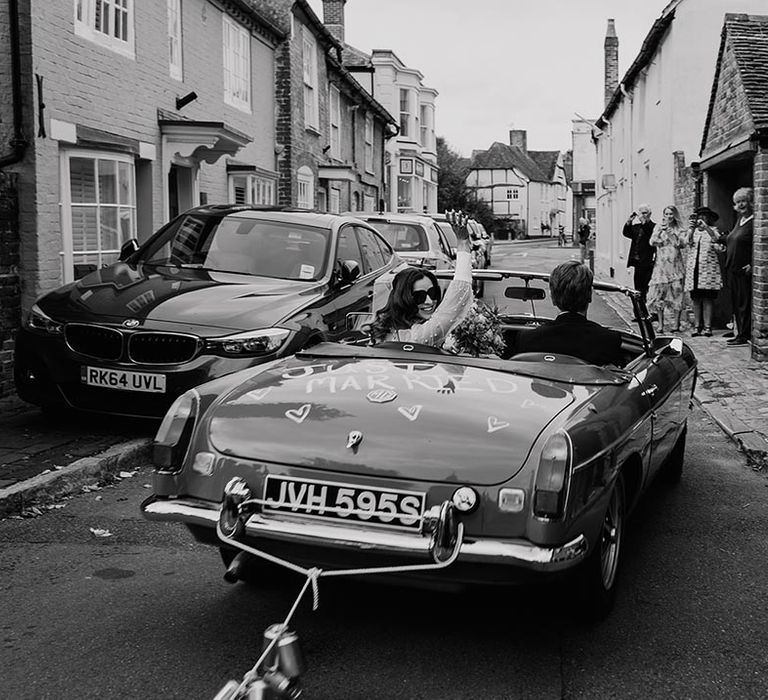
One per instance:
(651, 390)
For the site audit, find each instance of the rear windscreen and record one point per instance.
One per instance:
(402, 237)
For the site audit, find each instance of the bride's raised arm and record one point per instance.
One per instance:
(458, 297)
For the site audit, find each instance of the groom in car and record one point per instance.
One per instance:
(572, 333)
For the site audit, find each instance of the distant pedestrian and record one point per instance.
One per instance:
(639, 228)
(584, 233)
(738, 265)
(703, 280)
(560, 236)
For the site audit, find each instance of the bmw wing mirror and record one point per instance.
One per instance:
(349, 271)
(128, 248)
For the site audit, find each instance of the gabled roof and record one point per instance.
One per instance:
(356, 58)
(547, 162)
(500, 156)
(748, 37)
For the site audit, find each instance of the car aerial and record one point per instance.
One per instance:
(520, 468)
(218, 289)
(416, 238)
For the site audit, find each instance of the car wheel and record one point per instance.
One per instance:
(600, 571)
(672, 469)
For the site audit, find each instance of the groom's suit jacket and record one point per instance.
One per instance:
(574, 334)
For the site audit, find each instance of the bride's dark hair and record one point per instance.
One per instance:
(401, 311)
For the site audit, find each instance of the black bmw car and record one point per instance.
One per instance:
(218, 289)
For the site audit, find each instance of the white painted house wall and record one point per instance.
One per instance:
(663, 112)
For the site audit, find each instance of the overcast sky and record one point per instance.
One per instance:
(504, 64)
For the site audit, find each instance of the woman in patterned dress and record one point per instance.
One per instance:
(665, 290)
(414, 312)
(702, 271)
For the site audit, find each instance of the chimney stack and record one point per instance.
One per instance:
(519, 138)
(611, 61)
(333, 18)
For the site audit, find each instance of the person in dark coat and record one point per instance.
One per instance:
(572, 333)
(639, 228)
(738, 265)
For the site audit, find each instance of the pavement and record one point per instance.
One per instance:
(42, 460)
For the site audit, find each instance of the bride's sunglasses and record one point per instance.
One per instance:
(420, 295)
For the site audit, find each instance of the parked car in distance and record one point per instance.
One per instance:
(481, 241)
(494, 470)
(442, 223)
(487, 239)
(218, 289)
(417, 239)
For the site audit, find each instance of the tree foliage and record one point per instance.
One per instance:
(452, 191)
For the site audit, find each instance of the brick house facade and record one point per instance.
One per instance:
(331, 133)
(115, 150)
(734, 150)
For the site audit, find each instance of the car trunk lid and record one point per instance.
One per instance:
(419, 420)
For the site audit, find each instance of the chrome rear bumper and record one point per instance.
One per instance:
(485, 551)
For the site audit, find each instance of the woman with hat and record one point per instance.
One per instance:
(703, 280)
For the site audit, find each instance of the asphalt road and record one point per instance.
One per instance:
(144, 612)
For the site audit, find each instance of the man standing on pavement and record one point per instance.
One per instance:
(639, 228)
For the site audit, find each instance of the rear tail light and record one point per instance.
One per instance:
(175, 432)
(552, 477)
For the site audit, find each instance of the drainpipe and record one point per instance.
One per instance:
(18, 142)
(631, 146)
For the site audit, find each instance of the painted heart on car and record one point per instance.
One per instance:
(297, 415)
(495, 424)
(410, 412)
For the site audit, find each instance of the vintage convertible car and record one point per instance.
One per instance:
(514, 469)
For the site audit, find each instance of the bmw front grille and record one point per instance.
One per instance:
(143, 347)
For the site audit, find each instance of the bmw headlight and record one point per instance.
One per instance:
(248, 344)
(39, 321)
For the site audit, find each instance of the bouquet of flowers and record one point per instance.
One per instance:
(479, 334)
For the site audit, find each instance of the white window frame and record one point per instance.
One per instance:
(424, 126)
(103, 256)
(405, 114)
(369, 167)
(334, 200)
(255, 189)
(236, 55)
(305, 191)
(98, 20)
(334, 121)
(309, 64)
(175, 64)
(406, 181)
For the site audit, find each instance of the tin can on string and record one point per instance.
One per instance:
(286, 654)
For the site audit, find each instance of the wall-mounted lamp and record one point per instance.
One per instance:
(184, 101)
(326, 149)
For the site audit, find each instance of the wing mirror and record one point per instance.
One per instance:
(128, 248)
(349, 271)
